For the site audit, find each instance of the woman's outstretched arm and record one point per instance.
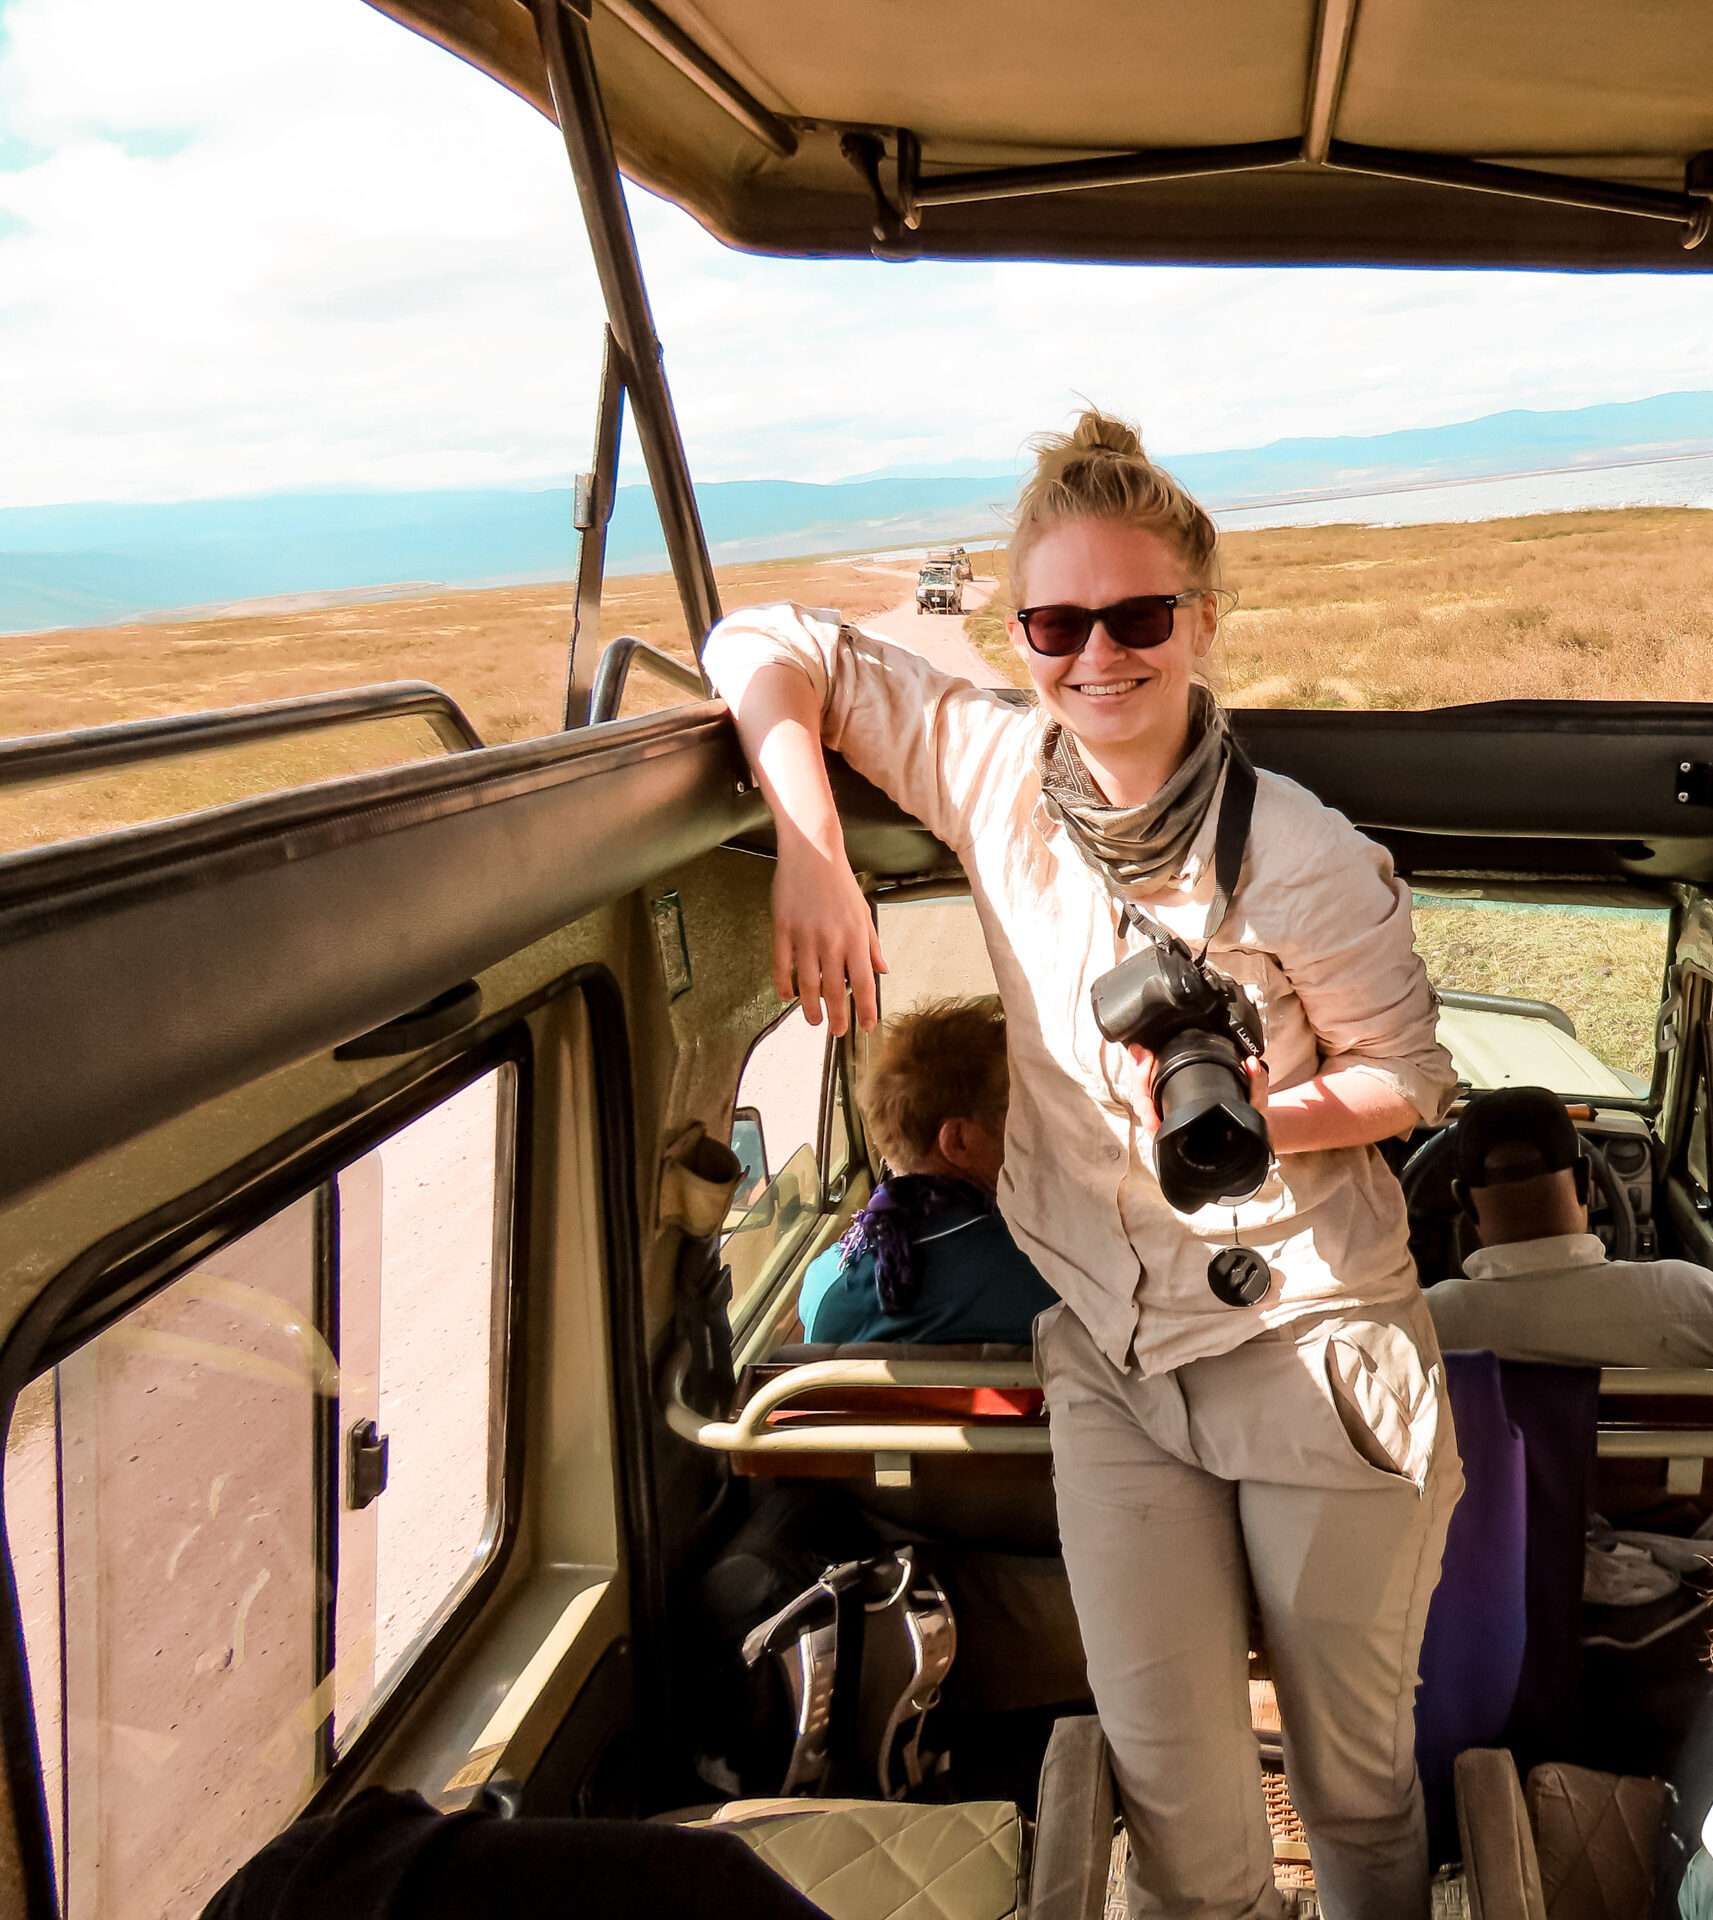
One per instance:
(823, 935)
(795, 677)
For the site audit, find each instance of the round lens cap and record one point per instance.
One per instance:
(1239, 1277)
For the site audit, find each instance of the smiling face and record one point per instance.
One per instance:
(1120, 704)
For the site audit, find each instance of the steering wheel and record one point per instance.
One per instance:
(1436, 1218)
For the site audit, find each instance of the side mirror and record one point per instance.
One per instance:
(749, 1143)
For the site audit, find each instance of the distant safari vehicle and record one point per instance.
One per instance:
(464, 1036)
(939, 589)
(954, 557)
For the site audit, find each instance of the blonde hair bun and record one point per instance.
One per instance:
(1097, 432)
(1101, 471)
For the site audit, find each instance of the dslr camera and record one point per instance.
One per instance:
(1211, 1143)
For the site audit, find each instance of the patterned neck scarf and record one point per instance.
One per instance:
(900, 1211)
(1136, 849)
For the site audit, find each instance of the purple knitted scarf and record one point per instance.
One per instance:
(900, 1211)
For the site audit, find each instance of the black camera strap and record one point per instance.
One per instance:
(1231, 836)
(1237, 1276)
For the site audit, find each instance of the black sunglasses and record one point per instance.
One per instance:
(1144, 620)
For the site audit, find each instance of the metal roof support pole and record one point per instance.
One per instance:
(1105, 170)
(563, 28)
(1326, 77)
(1682, 210)
(591, 511)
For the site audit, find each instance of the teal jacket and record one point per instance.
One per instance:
(972, 1284)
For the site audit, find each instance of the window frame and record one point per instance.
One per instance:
(1696, 1039)
(1650, 1104)
(834, 1093)
(127, 1268)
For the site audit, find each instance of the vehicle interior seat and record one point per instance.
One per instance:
(1003, 1502)
(1657, 1481)
(988, 1519)
(907, 1860)
(1574, 1844)
(869, 1859)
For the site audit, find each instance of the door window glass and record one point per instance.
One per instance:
(1537, 992)
(775, 1133)
(932, 948)
(164, 1513)
(1534, 992)
(422, 1356)
(837, 1158)
(239, 1510)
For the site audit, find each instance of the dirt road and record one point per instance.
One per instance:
(937, 637)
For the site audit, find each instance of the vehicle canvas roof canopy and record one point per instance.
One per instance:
(1385, 132)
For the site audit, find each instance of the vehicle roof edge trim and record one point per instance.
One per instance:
(171, 988)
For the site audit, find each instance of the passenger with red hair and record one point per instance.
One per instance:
(929, 1259)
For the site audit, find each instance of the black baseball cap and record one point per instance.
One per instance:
(1515, 1118)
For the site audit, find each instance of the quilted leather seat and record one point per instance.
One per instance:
(1577, 1845)
(887, 1860)
(901, 1860)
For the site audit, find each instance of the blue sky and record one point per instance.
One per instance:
(244, 249)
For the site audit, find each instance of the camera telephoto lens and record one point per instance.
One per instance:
(1211, 1144)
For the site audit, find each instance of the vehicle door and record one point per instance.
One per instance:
(329, 1190)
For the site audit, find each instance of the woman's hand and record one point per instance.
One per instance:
(1147, 1117)
(823, 935)
(824, 938)
(1254, 1072)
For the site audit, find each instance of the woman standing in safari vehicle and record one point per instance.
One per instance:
(1268, 1420)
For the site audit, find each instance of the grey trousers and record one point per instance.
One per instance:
(1315, 1466)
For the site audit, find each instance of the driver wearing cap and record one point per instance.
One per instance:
(1540, 1287)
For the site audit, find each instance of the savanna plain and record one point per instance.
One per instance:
(1596, 605)
(1611, 604)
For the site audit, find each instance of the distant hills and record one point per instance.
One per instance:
(87, 565)
(1516, 442)
(1498, 443)
(90, 564)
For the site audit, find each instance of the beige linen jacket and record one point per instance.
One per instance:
(1318, 935)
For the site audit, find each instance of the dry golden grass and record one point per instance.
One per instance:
(500, 652)
(1603, 967)
(1592, 605)
(1602, 605)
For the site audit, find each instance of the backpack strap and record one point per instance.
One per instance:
(864, 1653)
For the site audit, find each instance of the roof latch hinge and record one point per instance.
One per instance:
(1694, 783)
(896, 214)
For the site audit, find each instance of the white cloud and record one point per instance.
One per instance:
(246, 250)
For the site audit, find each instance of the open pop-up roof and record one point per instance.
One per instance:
(1382, 132)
